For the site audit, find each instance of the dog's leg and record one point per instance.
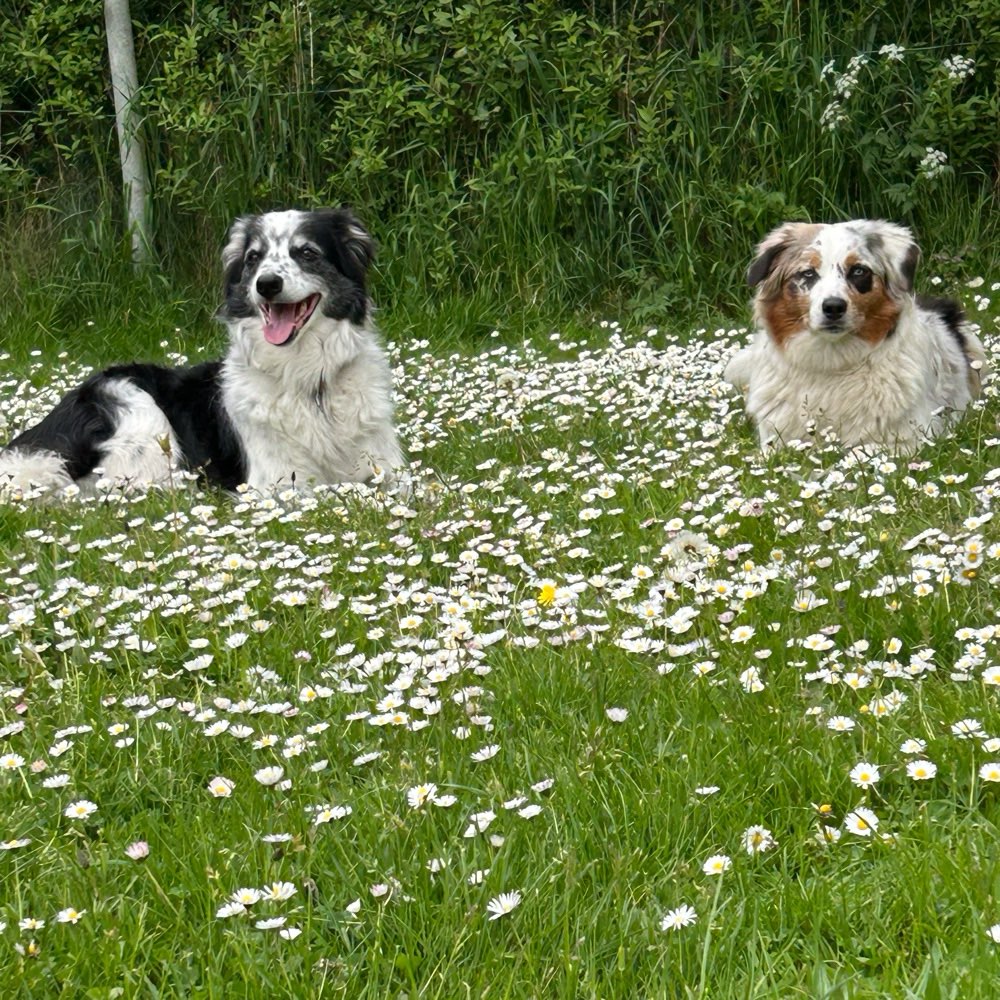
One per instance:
(25, 471)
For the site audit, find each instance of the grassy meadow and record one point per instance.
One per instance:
(610, 707)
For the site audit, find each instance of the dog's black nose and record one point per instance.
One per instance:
(269, 285)
(833, 309)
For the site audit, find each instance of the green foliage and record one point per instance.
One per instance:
(576, 152)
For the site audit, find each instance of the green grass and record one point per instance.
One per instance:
(528, 174)
(593, 420)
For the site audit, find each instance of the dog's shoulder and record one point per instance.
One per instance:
(948, 311)
(950, 314)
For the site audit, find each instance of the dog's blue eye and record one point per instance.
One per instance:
(859, 271)
(808, 275)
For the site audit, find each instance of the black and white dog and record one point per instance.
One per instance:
(303, 395)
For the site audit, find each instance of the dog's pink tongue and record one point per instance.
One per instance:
(280, 322)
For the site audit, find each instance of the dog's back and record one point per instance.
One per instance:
(952, 315)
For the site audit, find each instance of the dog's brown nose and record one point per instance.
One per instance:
(834, 309)
(269, 285)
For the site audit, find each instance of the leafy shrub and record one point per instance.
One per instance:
(570, 151)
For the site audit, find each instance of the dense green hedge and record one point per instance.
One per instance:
(570, 150)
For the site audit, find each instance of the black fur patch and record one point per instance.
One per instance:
(236, 305)
(347, 253)
(75, 428)
(862, 280)
(762, 266)
(951, 313)
(191, 399)
(908, 268)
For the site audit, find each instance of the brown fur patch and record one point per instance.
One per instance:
(878, 312)
(784, 316)
(781, 307)
(778, 255)
(781, 280)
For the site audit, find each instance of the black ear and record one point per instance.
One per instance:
(773, 246)
(234, 302)
(235, 249)
(908, 266)
(761, 267)
(345, 240)
(895, 249)
(358, 243)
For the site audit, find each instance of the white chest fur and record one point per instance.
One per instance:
(318, 409)
(898, 393)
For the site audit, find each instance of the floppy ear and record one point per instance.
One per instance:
(896, 250)
(352, 245)
(908, 267)
(774, 245)
(234, 302)
(236, 240)
(235, 248)
(358, 242)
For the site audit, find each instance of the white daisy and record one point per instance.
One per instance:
(503, 904)
(682, 916)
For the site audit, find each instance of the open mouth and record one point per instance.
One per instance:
(283, 320)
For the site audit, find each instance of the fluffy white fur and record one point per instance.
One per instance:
(23, 471)
(892, 389)
(143, 447)
(327, 417)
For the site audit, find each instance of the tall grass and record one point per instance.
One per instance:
(517, 153)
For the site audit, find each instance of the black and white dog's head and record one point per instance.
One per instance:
(285, 267)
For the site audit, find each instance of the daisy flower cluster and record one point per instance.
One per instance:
(314, 712)
(242, 903)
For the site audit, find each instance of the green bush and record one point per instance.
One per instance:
(572, 152)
